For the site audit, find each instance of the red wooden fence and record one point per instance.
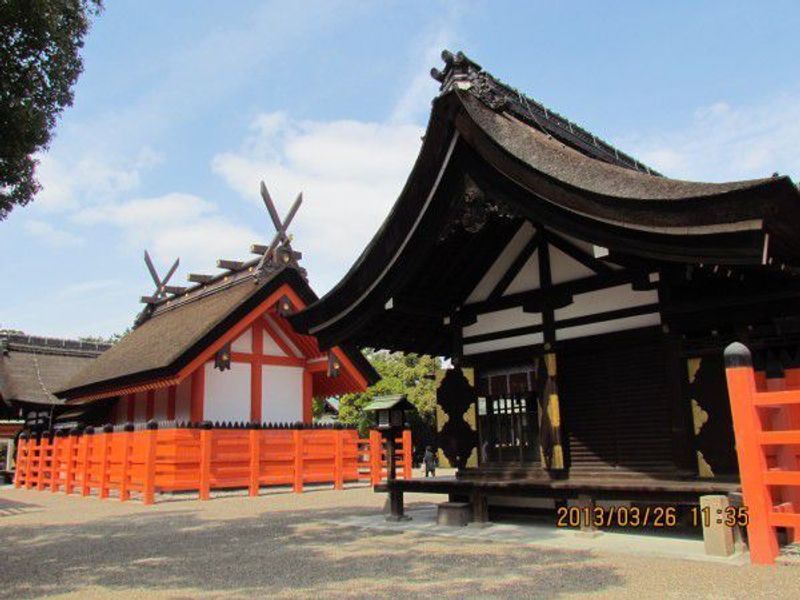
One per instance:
(153, 460)
(766, 422)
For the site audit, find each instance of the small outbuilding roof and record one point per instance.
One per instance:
(396, 401)
(179, 329)
(32, 368)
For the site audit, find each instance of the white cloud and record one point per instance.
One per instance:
(727, 142)
(350, 173)
(51, 234)
(69, 181)
(174, 225)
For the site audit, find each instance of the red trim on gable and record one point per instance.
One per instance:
(287, 350)
(256, 371)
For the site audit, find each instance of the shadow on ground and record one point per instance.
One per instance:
(298, 553)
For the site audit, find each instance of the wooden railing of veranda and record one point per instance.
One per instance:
(144, 460)
(766, 423)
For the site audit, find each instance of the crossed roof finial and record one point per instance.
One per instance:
(280, 249)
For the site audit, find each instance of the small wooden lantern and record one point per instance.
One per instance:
(391, 419)
(390, 411)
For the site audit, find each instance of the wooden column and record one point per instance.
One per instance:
(198, 394)
(151, 405)
(407, 458)
(131, 408)
(338, 460)
(375, 457)
(308, 395)
(255, 460)
(172, 392)
(69, 471)
(105, 459)
(149, 491)
(205, 460)
(86, 447)
(55, 463)
(256, 372)
(297, 436)
(550, 417)
(127, 442)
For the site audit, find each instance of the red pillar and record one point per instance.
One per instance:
(171, 395)
(198, 393)
(131, 408)
(151, 405)
(256, 372)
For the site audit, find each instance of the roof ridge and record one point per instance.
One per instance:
(20, 341)
(460, 72)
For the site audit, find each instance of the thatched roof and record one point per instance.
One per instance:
(180, 330)
(33, 368)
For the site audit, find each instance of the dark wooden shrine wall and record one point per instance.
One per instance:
(616, 403)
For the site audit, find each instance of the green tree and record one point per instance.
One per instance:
(409, 374)
(39, 65)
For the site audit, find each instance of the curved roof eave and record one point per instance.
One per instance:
(675, 221)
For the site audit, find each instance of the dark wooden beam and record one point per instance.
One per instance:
(174, 289)
(546, 287)
(198, 278)
(231, 265)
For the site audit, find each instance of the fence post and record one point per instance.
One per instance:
(752, 463)
(375, 456)
(297, 436)
(43, 445)
(86, 467)
(105, 459)
(255, 460)
(69, 472)
(33, 443)
(55, 462)
(22, 460)
(127, 440)
(338, 464)
(149, 491)
(205, 460)
(407, 458)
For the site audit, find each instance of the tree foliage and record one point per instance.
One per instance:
(39, 64)
(409, 374)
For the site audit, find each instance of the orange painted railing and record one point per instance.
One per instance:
(144, 462)
(766, 423)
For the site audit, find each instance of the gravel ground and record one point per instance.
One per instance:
(283, 545)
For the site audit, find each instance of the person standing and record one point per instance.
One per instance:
(430, 462)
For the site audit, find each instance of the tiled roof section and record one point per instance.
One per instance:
(462, 73)
(33, 367)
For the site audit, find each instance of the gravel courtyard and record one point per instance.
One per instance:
(286, 546)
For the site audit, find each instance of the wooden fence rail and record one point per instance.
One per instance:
(153, 460)
(766, 423)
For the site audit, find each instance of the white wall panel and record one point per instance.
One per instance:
(502, 344)
(528, 277)
(227, 393)
(565, 268)
(282, 394)
(500, 320)
(244, 343)
(271, 347)
(608, 326)
(613, 298)
(284, 338)
(502, 263)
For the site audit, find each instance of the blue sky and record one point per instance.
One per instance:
(184, 107)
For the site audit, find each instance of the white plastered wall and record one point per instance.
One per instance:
(227, 393)
(282, 394)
